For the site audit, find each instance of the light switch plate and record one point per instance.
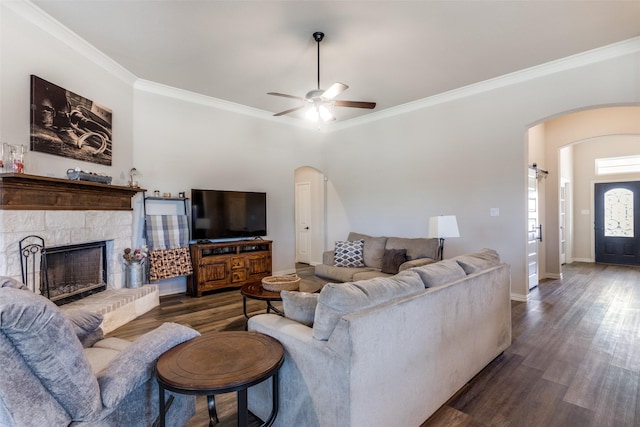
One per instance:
(494, 212)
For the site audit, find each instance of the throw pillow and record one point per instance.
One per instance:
(373, 248)
(440, 273)
(478, 261)
(299, 306)
(349, 253)
(392, 259)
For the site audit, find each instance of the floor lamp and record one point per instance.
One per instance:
(443, 227)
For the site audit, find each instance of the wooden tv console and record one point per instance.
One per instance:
(228, 264)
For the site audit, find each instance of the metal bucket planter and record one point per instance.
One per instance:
(134, 273)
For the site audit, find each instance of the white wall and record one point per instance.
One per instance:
(463, 156)
(181, 145)
(31, 43)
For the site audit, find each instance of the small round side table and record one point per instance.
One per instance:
(256, 291)
(221, 362)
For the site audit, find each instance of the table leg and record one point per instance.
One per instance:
(270, 308)
(244, 306)
(243, 411)
(161, 404)
(275, 401)
(213, 414)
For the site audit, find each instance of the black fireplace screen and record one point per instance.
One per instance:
(75, 270)
(71, 272)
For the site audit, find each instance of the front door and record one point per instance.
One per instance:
(617, 222)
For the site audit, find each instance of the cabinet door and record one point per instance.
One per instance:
(214, 271)
(259, 265)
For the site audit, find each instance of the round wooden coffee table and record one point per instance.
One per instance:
(221, 362)
(256, 291)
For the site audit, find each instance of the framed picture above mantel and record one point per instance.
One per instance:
(69, 125)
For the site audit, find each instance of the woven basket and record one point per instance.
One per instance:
(281, 283)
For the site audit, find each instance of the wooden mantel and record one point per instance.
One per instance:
(19, 191)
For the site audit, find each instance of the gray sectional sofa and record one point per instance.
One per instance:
(387, 350)
(419, 251)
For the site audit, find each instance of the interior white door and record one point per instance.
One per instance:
(303, 222)
(563, 223)
(534, 231)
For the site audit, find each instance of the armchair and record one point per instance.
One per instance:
(57, 369)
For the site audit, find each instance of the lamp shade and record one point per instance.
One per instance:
(443, 226)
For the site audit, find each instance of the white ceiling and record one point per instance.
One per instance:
(390, 52)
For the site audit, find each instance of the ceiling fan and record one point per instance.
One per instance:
(317, 101)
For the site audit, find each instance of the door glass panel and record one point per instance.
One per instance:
(618, 213)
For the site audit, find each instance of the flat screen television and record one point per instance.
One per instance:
(217, 214)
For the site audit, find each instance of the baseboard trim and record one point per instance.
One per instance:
(583, 260)
(520, 297)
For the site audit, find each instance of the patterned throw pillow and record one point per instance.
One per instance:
(349, 254)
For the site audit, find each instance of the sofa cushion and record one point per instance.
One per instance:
(416, 263)
(47, 343)
(348, 253)
(339, 274)
(478, 261)
(373, 249)
(392, 260)
(299, 306)
(86, 325)
(338, 299)
(440, 273)
(416, 248)
(99, 358)
(366, 275)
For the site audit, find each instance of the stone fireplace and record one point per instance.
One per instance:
(69, 213)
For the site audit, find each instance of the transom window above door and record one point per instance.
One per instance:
(616, 165)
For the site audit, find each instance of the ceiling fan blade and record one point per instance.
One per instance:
(291, 110)
(284, 95)
(334, 90)
(355, 104)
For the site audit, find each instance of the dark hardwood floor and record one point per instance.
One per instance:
(574, 358)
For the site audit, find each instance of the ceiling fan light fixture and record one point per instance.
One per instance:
(325, 114)
(313, 114)
(318, 97)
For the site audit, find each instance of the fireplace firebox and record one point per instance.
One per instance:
(74, 271)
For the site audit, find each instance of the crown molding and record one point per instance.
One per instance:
(32, 13)
(208, 101)
(38, 17)
(615, 50)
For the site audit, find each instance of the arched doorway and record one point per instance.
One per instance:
(309, 197)
(552, 145)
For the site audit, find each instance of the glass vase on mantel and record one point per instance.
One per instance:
(12, 158)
